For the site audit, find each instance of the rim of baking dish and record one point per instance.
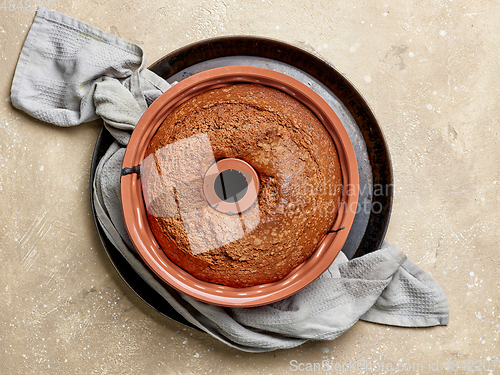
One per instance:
(134, 211)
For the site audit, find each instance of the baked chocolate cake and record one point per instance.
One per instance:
(300, 185)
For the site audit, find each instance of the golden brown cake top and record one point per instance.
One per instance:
(300, 184)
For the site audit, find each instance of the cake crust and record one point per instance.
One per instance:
(300, 184)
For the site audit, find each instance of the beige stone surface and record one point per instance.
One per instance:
(430, 72)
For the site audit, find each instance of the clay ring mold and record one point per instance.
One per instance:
(134, 207)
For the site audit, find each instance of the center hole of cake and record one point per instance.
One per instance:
(230, 185)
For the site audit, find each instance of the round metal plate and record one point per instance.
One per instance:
(376, 188)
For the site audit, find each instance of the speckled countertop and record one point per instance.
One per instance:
(428, 69)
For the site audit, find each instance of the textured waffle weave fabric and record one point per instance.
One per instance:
(69, 73)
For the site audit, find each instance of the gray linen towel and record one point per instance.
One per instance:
(69, 73)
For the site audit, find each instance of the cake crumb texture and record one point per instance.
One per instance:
(300, 184)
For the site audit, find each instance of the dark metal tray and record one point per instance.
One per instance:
(376, 188)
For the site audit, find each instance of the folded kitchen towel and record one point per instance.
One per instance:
(70, 72)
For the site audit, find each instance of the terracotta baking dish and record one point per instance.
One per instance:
(134, 209)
